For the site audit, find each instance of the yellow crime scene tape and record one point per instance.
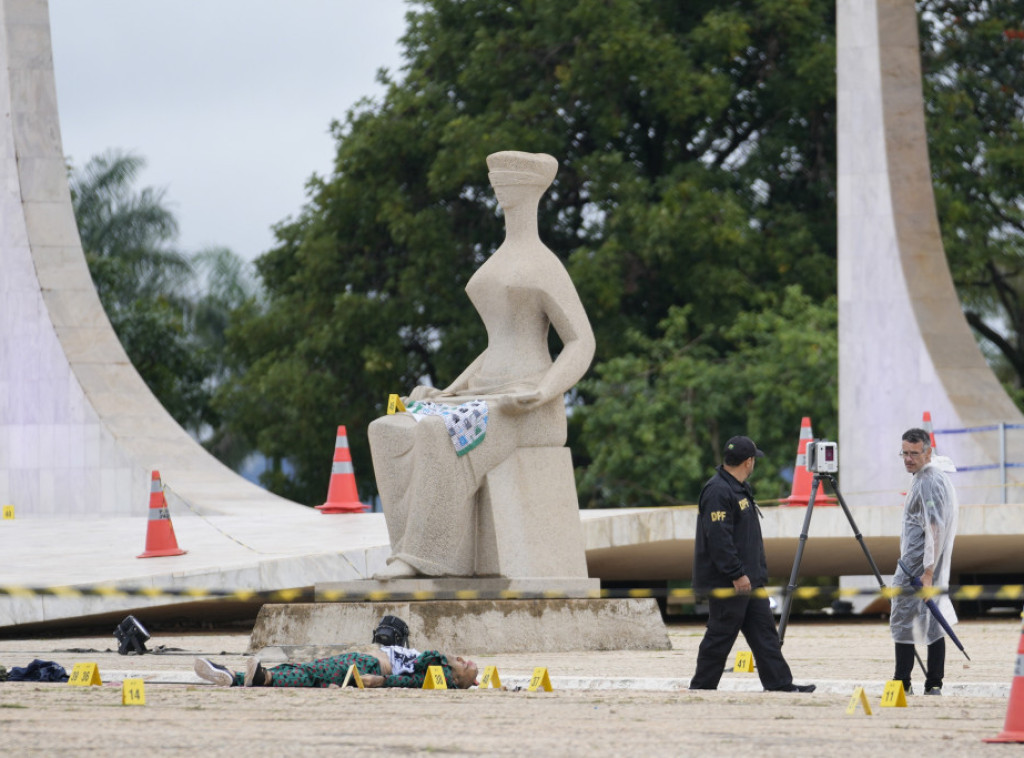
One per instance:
(961, 592)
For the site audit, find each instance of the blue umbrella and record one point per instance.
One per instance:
(934, 609)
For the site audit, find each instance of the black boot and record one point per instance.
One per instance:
(904, 665)
(936, 667)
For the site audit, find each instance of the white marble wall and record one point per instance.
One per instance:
(55, 456)
(904, 346)
(79, 430)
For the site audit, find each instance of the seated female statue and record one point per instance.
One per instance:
(431, 461)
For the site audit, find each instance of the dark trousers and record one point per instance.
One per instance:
(727, 618)
(936, 663)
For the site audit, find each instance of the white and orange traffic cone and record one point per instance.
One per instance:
(926, 424)
(342, 496)
(1013, 730)
(160, 539)
(802, 478)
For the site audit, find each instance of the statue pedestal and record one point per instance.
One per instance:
(529, 522)
(458, 588)
(461, 626)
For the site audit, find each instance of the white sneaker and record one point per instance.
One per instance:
(214, 672)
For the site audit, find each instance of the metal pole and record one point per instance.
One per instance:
(867, 553)
(787, 603)
(856, 531)
(1002, 456)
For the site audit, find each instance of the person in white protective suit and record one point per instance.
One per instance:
(926, 547)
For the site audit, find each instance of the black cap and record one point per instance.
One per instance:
(738, 449)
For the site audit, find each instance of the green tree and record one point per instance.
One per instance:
(697, 149)
(973, 65)
(127, 235)
(223, 286)
(169, 310)
(663, 411)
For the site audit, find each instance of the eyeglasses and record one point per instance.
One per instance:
(909, 454)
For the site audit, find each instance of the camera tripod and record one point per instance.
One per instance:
(791, 587)
(787, 603)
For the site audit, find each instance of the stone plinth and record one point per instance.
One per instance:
(469, 626)
(529, 522)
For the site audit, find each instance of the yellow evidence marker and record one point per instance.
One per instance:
(744, 662)
(490, 678)
(435, 679)
(395, 404)
(540, 679)
(85, 675)
(893, 695)
(352, 678)
(858, 698)
(133, 692)
(8, 513)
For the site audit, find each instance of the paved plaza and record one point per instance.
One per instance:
(602, 703)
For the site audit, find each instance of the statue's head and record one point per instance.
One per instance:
(511, 167)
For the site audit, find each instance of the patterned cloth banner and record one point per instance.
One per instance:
(466, 423)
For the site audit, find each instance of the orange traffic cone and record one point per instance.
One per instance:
(802, 478)
(160, 538)
(1013, 730)
(926, 424)
(342, 496)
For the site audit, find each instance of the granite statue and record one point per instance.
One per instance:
(437, 463)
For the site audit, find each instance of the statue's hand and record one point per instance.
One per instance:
(423, 392)
(521, 402)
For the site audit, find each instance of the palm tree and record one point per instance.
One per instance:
(127, 235)
(225, 285)
(169, 310)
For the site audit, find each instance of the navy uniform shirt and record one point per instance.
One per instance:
(729, 542)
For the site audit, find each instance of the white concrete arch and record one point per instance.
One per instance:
(904, 344)
(79, 430)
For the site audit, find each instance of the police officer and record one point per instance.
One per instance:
(729, 552)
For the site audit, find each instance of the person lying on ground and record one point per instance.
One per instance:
(382, 669)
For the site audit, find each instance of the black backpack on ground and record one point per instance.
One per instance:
(391, 631)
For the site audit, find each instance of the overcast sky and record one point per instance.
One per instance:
(228, 101)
